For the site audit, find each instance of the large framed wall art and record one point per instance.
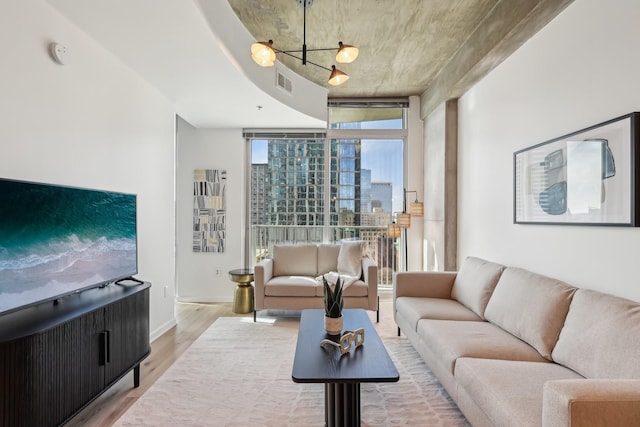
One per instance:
(587, 177)
(209, 210)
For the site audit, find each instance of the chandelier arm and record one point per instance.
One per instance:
(302, 50)
(288, 52)
(318, 65)
(297, 57)
(324, 49)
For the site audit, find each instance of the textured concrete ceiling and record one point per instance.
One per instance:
(189, 50)
(404, 45)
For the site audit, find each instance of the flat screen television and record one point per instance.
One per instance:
(57, 240)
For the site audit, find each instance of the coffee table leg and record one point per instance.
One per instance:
(342, 404)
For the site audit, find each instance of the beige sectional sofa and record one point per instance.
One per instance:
(288, 280)
(515, 348)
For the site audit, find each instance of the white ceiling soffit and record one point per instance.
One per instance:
(197, 54)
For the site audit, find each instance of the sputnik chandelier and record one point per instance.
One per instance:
(264, 54)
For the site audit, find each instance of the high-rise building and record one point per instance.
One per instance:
(382, 195)
(289, 190)
(378, 218)
(365, 191)
(260, 184)
(296, 193)
(345, 179)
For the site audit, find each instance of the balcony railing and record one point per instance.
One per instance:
(381, 248)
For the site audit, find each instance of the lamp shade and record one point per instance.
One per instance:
(346, 53)
(416, 208)
(404, 220)
(263, 54)
(393, 230)
(337, 77)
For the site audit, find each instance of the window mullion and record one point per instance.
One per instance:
(326, 228)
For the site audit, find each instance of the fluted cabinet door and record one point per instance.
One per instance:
(127, 321)
(42, 385)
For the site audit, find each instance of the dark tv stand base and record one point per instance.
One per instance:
(57, 358)
(136, 376)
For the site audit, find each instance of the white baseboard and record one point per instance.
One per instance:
(172, 322)
(162, 329)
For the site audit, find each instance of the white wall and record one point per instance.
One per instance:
(580, 70)
(209, 149)
(435, 132)
(415, 182)
(93, 124)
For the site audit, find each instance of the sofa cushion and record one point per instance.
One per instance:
(414, 309)
(475, 282)
(508, 390)
(327, 258)
(452, 339)
(291, 286)
(290, 260)
(530, 306)
(350, 258)
(355, 289)
(600, 336)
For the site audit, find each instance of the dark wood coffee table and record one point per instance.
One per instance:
(341, 375)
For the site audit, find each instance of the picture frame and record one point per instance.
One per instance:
(209, 210)
(587, 177)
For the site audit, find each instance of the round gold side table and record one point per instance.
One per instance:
(243, 297)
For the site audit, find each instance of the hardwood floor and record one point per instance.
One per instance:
(192, 320)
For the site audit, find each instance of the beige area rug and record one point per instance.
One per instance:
(238, 373)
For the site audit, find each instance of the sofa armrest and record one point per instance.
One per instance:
(370, 274)
(262, 273)
(426, 284)
(591, 402)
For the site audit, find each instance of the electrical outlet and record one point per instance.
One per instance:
(166, 291)
(218, 271)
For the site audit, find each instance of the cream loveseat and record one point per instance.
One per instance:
(515, 348)
(288, 280)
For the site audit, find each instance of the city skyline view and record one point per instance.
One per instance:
(383, 157)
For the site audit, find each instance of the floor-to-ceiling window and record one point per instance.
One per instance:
(345, 184)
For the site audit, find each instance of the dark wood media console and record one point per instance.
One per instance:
(56, 358)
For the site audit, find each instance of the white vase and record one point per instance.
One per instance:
(333, 325)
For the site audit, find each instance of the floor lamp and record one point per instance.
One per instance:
(393, 232)
(416, 209)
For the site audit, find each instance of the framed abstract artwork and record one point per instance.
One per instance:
(587, 177)
(209, 210)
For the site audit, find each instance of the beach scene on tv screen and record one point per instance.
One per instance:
(56, 240)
